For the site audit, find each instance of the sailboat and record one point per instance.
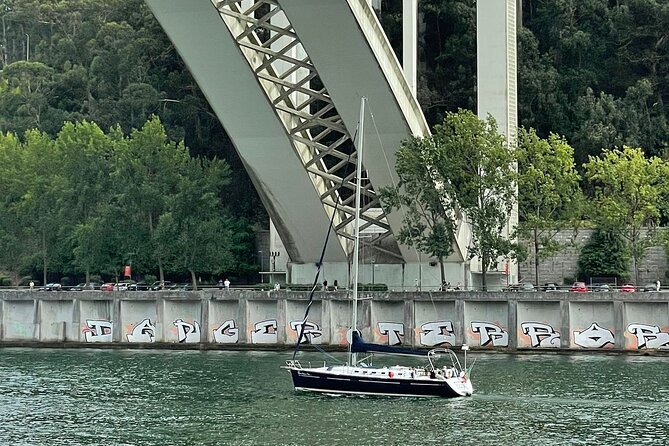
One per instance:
(360, 377)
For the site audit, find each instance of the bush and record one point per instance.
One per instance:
(5, 281)
(372, 287)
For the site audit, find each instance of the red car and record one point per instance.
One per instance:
(107, 287)
(627, 288)
(579, 287)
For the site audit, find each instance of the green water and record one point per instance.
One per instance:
(153, 397)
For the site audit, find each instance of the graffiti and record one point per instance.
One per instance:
(649, 336)
(227, 333)
(143, 332)
(594, 337)
(187, 332)
(437, 333)
(98, 330)
(541, 335)
(265, 332)
(490, 333)
(394, 331)
(312, 332)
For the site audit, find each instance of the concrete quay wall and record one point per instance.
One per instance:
(271, 319)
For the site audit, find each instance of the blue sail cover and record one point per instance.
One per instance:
(360, 346)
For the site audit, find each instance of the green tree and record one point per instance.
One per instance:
(549, 195)
(627, 186)
(427, 209)
(479, 168)
(605, 255)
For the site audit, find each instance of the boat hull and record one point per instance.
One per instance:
(321, 381)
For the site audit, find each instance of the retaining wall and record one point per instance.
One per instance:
(271, 319)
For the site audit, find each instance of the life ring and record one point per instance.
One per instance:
(391, 374)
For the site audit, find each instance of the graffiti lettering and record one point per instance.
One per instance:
(394, 331)
(265, 332)
(541, 335)
(312, 332)
(143, 332)
(437, 333)
(649, 336)
(227, 333)
(490, 333)
(187, 333)
(594, 337)
(98, 330)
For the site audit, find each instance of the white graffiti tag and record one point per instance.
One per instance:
(394, 331)
(187, 332)
(265, 332)
(98, 330)
(437, 333)
(143, 332)
(490, 333)
(312, 332)
(541, 335)
(594, 337)
(649, 336)
(227, 333)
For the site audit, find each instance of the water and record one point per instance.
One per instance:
(155, 397)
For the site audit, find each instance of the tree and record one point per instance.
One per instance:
(627, 187)
(604, 255)
(549, 196)
(428, 211)
(479, 169)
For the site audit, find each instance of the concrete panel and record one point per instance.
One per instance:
(182, 321)
(96, 323)
(262, 324)
(314, 332)
(646, 325)
(486, 324)
(225, 319)
(338, 312)
(56, 321)
(434, 323)
(538, 324)
(387, 323)
(18, 320)
(592, 325)
(139, 319)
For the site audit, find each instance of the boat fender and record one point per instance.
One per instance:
(391, 374)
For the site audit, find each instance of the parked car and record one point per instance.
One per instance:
(107, 286)
(53, 287)
(84, 286)
(648, 287)
(601, 287)
(139, 286)
(527, 286)
(579, 287)
(550, 287)
(161, 285)
(627, 288)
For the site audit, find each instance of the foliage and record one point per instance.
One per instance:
(627, 187)
(604, 255)
(427, 209)
(478, 169)
(549, 196)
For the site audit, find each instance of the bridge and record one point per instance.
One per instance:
(285, 78)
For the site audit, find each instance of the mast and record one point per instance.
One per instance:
(356, 231)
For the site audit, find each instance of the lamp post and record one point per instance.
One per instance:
(27, 47)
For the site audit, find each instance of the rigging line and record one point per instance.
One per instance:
(320, 261)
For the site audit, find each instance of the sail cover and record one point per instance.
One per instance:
(360, 346)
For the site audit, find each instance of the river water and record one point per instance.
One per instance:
(161, 397)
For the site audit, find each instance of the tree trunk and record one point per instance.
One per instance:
(484, 270)
(536, 257)
(193, 279)
(44, 257)
(443, 273)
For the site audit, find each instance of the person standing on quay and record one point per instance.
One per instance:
(226, 283)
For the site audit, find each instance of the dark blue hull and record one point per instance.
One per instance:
(328, 383)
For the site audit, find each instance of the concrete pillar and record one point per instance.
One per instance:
(205, 330)
(619, 323)
(513, 324)
(565, 326)
(410, 322)
(37, 320)
(76, 320)
(281, 320)
(459, 322)
(410, 43)
(2, 320)
(161, 324)
(117, 335)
